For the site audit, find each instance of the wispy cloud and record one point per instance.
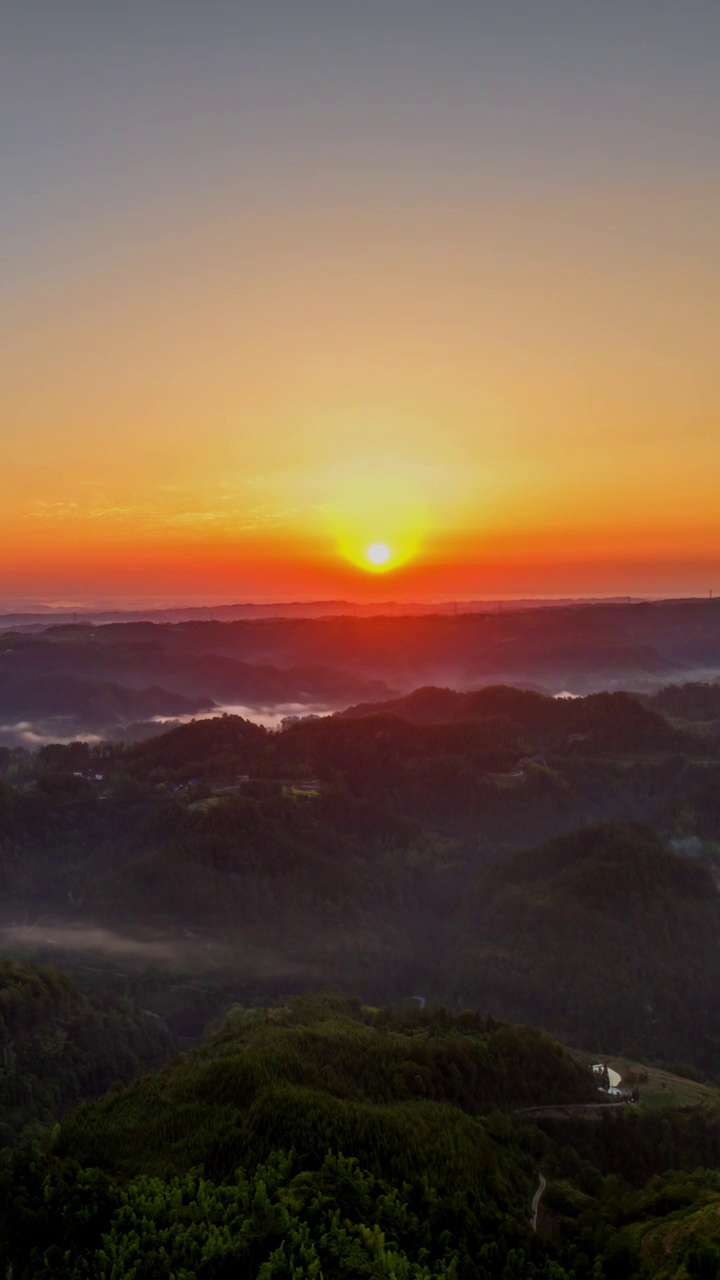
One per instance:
(229, 512)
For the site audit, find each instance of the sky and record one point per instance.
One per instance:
(284, 280)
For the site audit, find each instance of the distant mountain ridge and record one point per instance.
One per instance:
(285, 609)
(327, 663)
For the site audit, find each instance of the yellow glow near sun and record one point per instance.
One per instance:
(396, 548)
(377, 519)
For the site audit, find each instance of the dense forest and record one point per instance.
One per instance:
(542, 862)
(60, 1047)
(552, 860)
(326, 1138)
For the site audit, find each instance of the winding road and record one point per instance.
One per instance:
(536, 1201)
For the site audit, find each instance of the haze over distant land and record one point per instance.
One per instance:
(33, 613)
(124, 676)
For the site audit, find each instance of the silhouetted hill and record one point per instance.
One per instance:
(333, 661)
(696, 703)
(89, 704)
(206, 744)
(602, 720)
(99, 679)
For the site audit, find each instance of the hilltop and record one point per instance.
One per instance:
(324, 1137)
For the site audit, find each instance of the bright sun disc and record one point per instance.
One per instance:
(378, 553)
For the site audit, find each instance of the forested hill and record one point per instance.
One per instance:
(540, 861)
(325, 1139)
(693, 706)
(606, 936)
(380, 853)
(320, 1061)
(606, 720)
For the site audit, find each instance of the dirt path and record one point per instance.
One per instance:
(536, 1201)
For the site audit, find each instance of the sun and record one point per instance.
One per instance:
(376, 520)
(379, 554)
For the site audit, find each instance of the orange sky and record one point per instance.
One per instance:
(241, 341)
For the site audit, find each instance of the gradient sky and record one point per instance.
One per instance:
(284, 278)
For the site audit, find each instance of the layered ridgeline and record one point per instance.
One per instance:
(73, 676)
(330, 1139)
(537, 858)
(116, 680)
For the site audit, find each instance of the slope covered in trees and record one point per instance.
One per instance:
(58, 1047)
(381, 853)
(600, 721)
(606, 936)
(325, 1138)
